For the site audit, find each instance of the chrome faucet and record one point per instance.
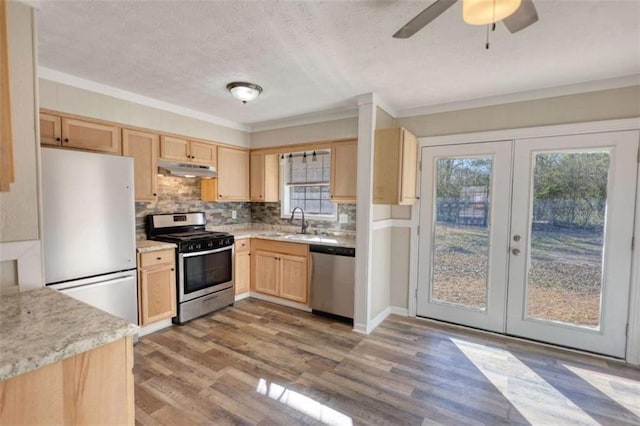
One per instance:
(305, 225)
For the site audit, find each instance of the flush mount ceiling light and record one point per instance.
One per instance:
(483, 12)
(244, 91)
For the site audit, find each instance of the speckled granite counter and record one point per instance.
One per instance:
(40, 327)
(287, 234)
(144, 246)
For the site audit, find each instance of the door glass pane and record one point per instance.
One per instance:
(567, 231)
(461, 232)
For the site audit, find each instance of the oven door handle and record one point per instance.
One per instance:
(202, 253)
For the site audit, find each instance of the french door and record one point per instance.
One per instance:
(531, 238)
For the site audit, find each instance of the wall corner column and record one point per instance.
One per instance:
(367, 106)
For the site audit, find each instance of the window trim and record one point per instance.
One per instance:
(285, 202)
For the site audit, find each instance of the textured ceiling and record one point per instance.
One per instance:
(316, 55)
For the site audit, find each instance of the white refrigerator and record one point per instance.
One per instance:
(89, 229)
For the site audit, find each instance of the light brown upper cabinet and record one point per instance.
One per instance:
(202, 152)
(6, 132)
(174, 148)
(264, 174)
(395, 167)
(232, 183)
(50, 130)
(90, 136)
(178, 149)
(143, 148)
(344, 171)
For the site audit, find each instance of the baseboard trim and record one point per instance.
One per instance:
(279, 301)
(241, 296)
(360, 328)
(156, 326)
(396, 310)
(377, 320)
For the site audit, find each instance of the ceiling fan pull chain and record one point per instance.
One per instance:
(487, 43)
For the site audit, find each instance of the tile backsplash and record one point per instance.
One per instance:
(178, 194)
(269, 213)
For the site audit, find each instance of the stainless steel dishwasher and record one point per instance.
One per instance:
(332, 280)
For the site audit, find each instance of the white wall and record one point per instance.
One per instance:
(399, 267)
(593, 106)
(74, 100)
(380, 271)
(380, 243)
(20, 247)
(336, 129)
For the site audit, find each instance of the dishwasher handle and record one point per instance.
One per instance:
(333, 250)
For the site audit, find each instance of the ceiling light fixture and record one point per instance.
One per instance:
(483, 12)
(244, 91)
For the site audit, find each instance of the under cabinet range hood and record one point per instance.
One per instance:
(175, 168)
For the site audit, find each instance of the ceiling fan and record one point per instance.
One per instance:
(515, 14)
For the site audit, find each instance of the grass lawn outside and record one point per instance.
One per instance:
(564, 271)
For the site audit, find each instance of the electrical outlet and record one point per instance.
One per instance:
(234, 214)
(344, 218)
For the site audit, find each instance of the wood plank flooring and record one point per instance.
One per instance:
(259, 363)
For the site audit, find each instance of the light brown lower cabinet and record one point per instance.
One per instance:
(242, 266)
(156, 286)
(94, 387)
(280, 269)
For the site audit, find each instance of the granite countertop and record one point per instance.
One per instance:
(287, 235)
(41, 327)
(144, 246)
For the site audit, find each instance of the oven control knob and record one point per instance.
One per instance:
(228, 241)
(190, 247)
(210, 244)
(198, 246)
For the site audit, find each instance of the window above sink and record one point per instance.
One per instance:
(305, 182)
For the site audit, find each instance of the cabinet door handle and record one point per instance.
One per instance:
(57, 139)
(158, 258)
(172, 269)
(66, 139)
(155, 195)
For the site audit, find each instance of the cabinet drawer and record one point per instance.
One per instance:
(243, 245)
(157, 258)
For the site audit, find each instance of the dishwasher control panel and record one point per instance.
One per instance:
(337, 251)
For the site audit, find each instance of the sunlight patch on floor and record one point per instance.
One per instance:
(303, 404)
(628, 394)
(530, 394)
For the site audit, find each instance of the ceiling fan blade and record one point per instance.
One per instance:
(423, 18)
(521, 18)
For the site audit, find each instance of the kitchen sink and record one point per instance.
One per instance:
(275, 234)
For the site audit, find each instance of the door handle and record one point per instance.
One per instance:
(516, 238)
(515, 251)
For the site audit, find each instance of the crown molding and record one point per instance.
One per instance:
(114, 92)
(572, 89)
(304, 119)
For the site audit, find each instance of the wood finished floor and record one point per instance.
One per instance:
(259, 363)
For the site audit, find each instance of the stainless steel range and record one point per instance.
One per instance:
(204, 259)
